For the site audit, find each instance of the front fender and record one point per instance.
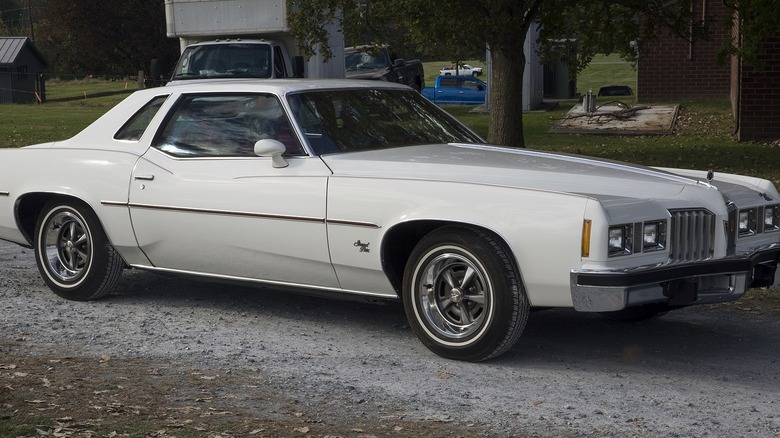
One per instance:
(543, 229)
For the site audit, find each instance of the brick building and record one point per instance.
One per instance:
(755, 96)
(674, 68)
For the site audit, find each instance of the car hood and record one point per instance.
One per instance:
(365, 74)
(510, 167)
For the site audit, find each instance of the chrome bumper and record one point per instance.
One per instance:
(704, 282)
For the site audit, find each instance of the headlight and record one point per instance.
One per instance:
(620, 240)
(747, 222)
(653, 236)
(771, 218)
(637, 238)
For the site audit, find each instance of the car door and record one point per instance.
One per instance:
(448, 89)
(472, 91)
(202, 202)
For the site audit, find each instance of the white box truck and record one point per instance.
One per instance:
(243, 38)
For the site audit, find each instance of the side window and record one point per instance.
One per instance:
(280, 69)
(225, 126)
(472, 85)
(448, 82)
(134, 128)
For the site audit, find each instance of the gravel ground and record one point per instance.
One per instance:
(306, 366)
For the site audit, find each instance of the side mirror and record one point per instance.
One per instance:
(298, 66)
(271, 148)
(399, 62)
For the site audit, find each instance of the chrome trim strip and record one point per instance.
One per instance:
(352, 223)
(5, 193)
(228, 212)
(246, 214)
(266, 282)
(114, 203)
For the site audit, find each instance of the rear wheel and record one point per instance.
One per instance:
(463, 296)
(72, 252)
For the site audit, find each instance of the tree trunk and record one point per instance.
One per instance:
(506, 93)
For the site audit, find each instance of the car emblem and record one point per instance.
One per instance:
(363, 246)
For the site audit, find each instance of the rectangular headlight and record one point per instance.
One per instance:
(747, 222)
(653, 236)
(620, 240)
(771, 218)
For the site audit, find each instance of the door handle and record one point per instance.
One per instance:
(144, 177)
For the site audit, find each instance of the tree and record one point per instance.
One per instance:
(12, 18)
(449, 26)
(756, 20)
(106, 38)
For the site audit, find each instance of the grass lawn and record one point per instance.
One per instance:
(66, 113)
(702, 139)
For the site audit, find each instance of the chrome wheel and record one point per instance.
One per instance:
(462, 294)
(453, 296)
(73, 253)
(67, 246)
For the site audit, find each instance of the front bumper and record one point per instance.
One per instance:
(703, 282)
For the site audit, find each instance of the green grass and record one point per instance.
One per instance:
(703, 139)
(432, 69)
(66, 113)
(606, 70)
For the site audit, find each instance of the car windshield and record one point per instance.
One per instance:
(235, 60)
(349, 120)
(365, 60)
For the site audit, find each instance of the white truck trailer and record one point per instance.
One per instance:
(243, 38)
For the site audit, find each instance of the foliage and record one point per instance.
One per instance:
(758, 20)
(12, 18)
(95, 37)
(458, 28)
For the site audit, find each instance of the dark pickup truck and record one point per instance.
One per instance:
(380, 63)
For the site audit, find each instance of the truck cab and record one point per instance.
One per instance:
(234, 58)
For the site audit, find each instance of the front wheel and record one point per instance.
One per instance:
(463, 295)
(72, 252)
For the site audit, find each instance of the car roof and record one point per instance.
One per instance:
(276, 86)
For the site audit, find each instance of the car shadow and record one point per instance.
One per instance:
(685, 342)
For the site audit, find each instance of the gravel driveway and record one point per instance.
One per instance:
(703, 371)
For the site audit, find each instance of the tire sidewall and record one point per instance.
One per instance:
(83, 287)
(503, 287)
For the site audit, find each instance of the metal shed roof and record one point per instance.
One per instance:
(11, 47)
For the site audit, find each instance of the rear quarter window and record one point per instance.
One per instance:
(135, 127)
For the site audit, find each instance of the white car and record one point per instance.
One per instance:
(463, 70)
(368, 190)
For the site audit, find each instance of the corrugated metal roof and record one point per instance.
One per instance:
(10, 47)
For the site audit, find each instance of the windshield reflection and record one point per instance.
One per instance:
(366, 119)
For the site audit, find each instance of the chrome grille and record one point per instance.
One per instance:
(692, 235)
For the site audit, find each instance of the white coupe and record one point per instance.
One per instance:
(368, 190)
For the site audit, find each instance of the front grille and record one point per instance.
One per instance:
(692, 235)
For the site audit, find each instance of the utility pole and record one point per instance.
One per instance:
(29, 14)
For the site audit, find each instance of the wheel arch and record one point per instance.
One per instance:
(399, 241)
(29, 206)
